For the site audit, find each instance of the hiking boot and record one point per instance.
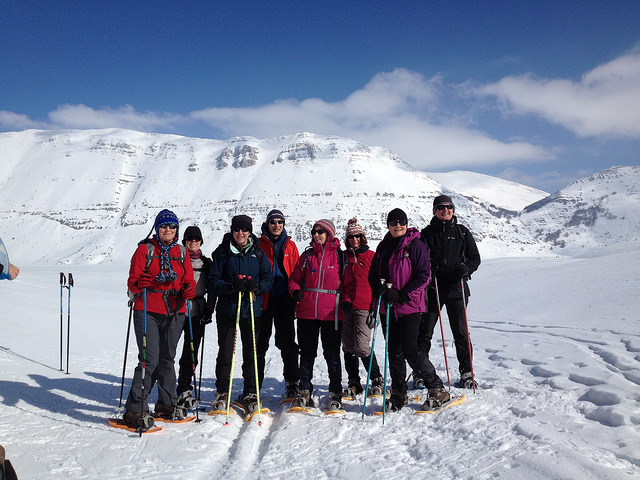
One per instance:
(170, 412)
(133, 419)
(418, 381)
(304, 399)
(335, 402)
(220, 403)
(249, 403)
(352, 391)
(396, 401)
(467, 381)
(290, 390)
(437, 397)
(377, 387)
(187, 401)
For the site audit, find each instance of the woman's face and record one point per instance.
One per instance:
(193, 244)
(397, 228)
(354, 241)
(167, 232)
(319, 235)
(241, 236)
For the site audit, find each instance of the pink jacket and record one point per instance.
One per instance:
(318, 276)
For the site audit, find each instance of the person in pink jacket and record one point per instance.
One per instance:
(315, 285)
(356, 303)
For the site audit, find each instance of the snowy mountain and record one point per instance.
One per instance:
(96, 192)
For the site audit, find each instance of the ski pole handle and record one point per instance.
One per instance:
(70, 280)
(63, 279)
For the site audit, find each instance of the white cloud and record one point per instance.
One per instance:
(605, 102)
(81, 116)
(17, 121)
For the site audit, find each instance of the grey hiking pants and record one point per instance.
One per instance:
(163, 334)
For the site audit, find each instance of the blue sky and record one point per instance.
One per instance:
(539, 92)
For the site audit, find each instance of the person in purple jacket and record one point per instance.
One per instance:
(402, 260)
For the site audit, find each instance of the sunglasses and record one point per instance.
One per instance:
(395, 223)
(194, 239)
(351, 237)
(442, 207)
(276, 222)
(241, 229)
(318, 232)
(172, 226)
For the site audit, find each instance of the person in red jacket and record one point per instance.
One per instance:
(315, 284)
(278, 306)
(161, 288)
(356, 303)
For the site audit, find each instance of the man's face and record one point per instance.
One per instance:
(276, 226)
(444, 212)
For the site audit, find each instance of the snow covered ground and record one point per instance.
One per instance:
(557, 354)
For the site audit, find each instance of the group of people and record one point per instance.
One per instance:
(263, 285)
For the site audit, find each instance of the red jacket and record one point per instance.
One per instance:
(355, 284)
(290, 257)
(321, 272)
(155, 301)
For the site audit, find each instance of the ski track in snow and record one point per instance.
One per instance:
(558, 394)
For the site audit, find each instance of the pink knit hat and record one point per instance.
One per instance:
(328, 226)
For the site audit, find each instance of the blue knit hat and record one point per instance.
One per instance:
(166, 216)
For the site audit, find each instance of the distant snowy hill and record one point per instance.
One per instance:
(96, 192)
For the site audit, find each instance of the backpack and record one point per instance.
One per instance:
(150, 256)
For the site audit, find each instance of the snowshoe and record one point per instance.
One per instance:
(138, 422)
(171, 413)
(220, 403)
(304, 402)
(436, 399)
(418, 382)
(335, 405)
(291, 392)
(377, 388)
(249, 403)
(351, 392)
(187, 401)
(396, 402)
(467, 381)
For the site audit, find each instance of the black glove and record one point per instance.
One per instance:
(371, 320)
(462, 271)
(346, 307)
(391, 295)
(404, 297)
(238, 285)
(297, 296)
(205, 319)
(378, 289)
(252, 286)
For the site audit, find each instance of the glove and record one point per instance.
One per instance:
(145, 280)
(346, 307)
(238, 285)
(188, 291)
(205, 319)
(378, 289)
(462, 271)
(297, 296)
(371, 320)
(252, 286)
(391, 295)
(404, 298)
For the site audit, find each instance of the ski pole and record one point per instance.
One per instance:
(466, 321)
(69, 318)
(444, 348)
(233, 356)
(386, 359)
(126, 349)
(193, 355)
(201, 361)
(373, 344)
(255, 355)
(63, 280)
(144, 364)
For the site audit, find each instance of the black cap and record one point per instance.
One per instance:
(241, 221)
(442, 199)
(397, 214)
(192, 231)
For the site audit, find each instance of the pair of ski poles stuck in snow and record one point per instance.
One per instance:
(386, 347)
(63, 285)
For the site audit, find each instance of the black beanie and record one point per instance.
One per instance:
(241, 221)
(274, 214)
(192, 231)
(396, 214)
(440, 199)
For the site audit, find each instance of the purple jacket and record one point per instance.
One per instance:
(409, 269)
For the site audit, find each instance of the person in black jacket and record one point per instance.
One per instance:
(454, 257)
(201, 309)
(239, 268)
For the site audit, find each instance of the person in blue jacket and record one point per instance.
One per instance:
(239, 269)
